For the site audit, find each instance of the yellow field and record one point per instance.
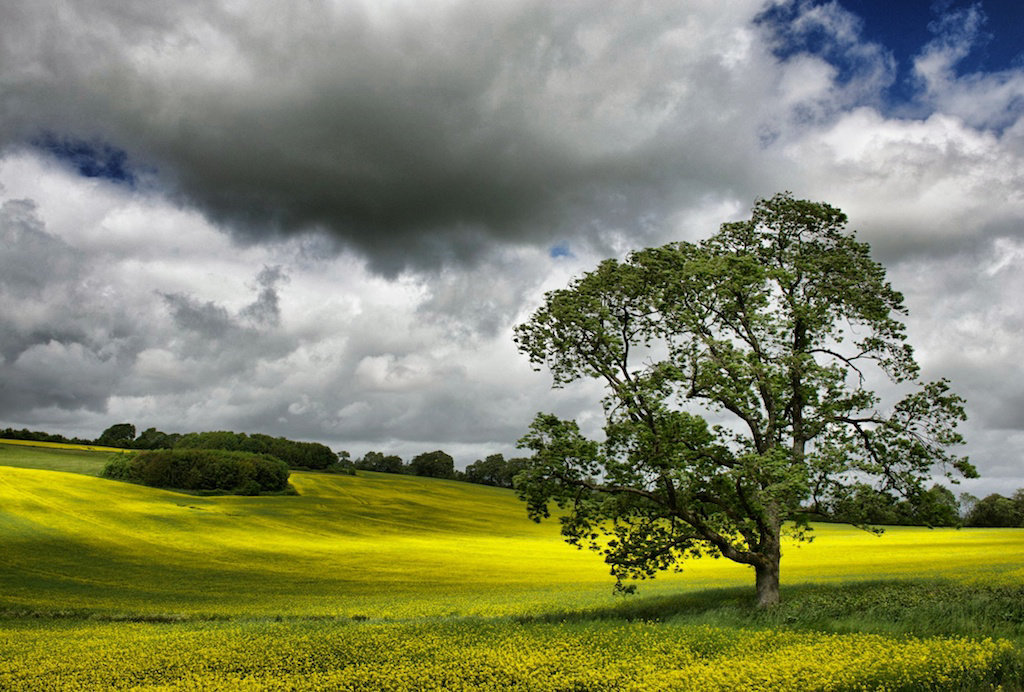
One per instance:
(378, 545)
(62, 445)
(479, 655)
(380, 581)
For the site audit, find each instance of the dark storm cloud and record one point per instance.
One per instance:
(417, 133)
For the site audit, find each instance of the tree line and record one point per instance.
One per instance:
(994, 510)
(297, 455)
(494, 470)
(863, 505)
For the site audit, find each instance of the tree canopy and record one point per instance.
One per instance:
(118, 435)
(738, 394)
(436, 464)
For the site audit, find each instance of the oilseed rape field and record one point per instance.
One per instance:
(382, 581)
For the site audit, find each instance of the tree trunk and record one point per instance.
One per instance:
(767, 575)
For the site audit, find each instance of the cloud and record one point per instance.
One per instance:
(266, 309)
(417, 135)
(338, 211)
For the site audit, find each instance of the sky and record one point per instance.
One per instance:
(323, 219)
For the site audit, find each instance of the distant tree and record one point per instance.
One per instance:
(381, 463)
(119, 435)
(967, 502)
(217, 439)
(39, 436)
(436, 464)
(936, 506)
(773, 322)
(489, 471)
(495, 470)
(863, 505)
(311, 455)
(996, 511)
(151, 438)
(1018, 499)
(343, 465)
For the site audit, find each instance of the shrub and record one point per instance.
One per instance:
(240, 473)
(119, 468)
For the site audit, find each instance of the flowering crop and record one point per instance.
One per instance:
(477, 654)
(61, 445)
(380, 546)
(395, 582)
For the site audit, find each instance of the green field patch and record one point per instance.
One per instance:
(54, 456)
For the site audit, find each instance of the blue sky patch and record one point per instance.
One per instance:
(560, 250)
(903, 29)
(93, 159)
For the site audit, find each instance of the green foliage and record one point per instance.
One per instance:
(39, 436)
(344, 465)
(863, 505)
(494, 470)
(771, 323)
(381, 463)
(436, 464)
(996, 510)
(118, 435)
(151, 438)
(307, 455)
(241, 473)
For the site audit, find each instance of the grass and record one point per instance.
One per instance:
(102, 581)
(55, 456)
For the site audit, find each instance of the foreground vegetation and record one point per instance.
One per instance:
(379, 581)
(475, 654)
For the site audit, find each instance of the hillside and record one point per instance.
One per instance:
(366, 582)
(54, 456)
(372, 544)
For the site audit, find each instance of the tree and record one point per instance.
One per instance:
(118, 435)
(936, 506)
(151, 438)
(489, 471)
(377, 461)
(863, 505)
(996, 510)
(737, 394)
(494, 470)
(436, 464)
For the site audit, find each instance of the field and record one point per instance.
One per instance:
(378, 580)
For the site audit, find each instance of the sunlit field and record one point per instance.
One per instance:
(372, 580)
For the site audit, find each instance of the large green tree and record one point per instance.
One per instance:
(737, 375)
